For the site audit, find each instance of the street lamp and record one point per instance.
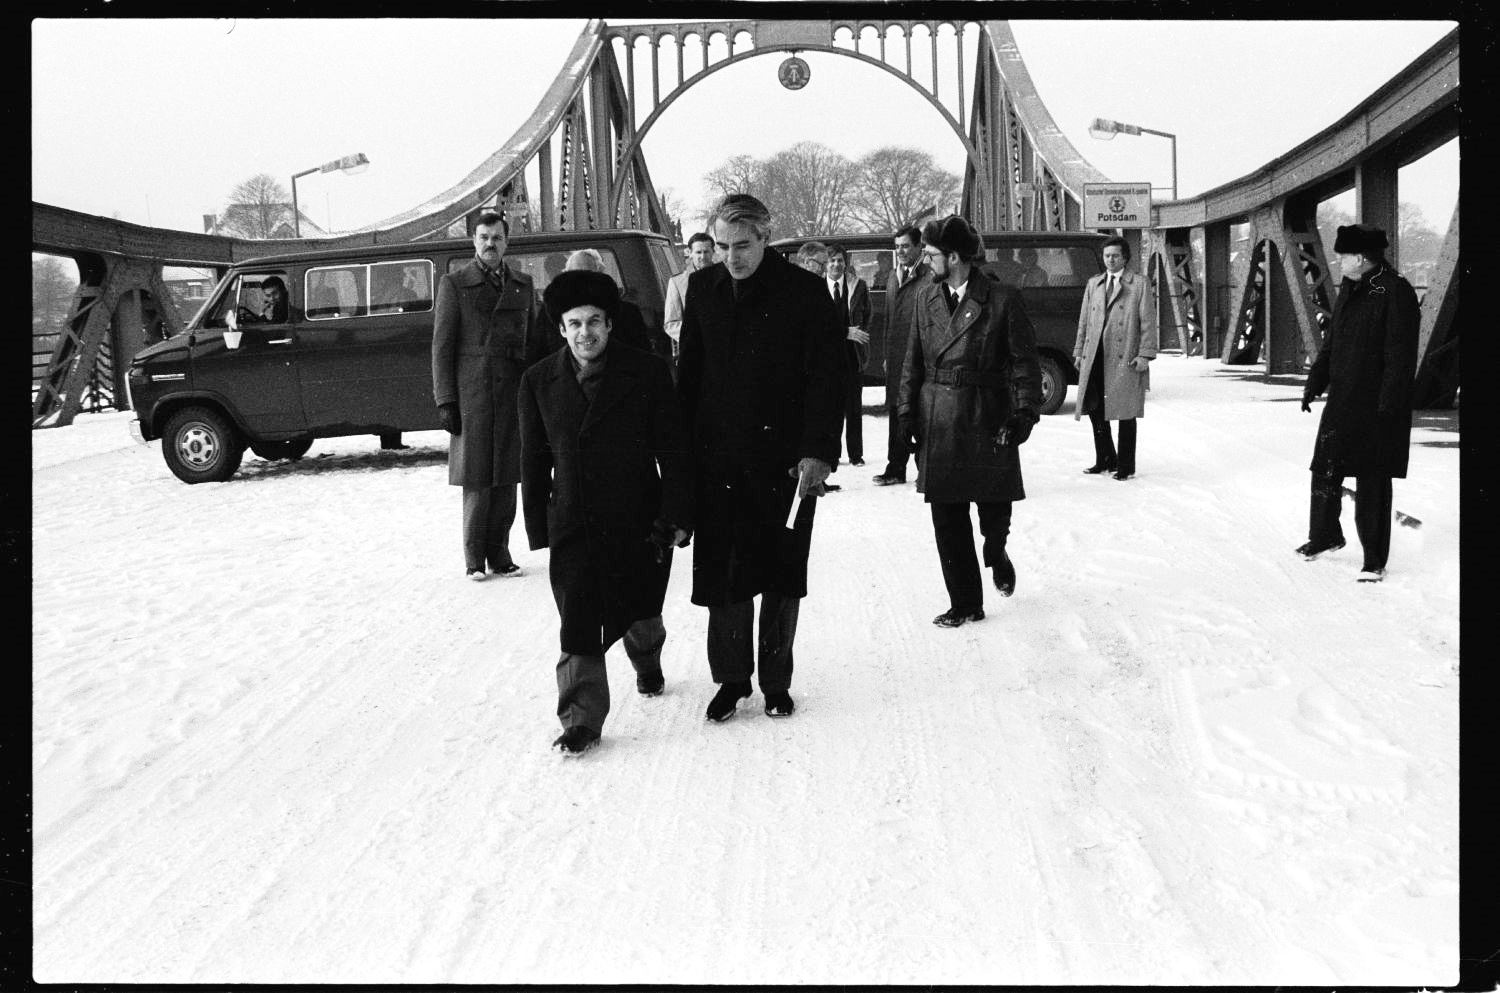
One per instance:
(349, 165)
(1105, 130)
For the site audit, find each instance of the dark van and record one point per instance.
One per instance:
(1049, 267)
(354, 353)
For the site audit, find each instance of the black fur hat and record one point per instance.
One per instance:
(1360, 239)
(954, 234)
(580, 288)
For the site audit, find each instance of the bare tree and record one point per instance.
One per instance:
(256, 206)
(806, 187)
(53, 282)
(896, 184)
(1418, 242)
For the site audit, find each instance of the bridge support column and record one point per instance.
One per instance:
(1437, 344)
(1217, 283)
(1375, 198)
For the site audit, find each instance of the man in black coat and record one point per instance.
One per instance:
(605, 485)
(970, 389)
(760, 371)
(1366, 364)
(903, 287)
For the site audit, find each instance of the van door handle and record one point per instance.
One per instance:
(279, 341)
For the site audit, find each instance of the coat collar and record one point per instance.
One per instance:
(976, 297)
(919, 272)
(618, 379)
(473, 275)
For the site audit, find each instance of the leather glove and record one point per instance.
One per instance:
(1017, 427)
(810, 474)
(1307, 400)
(664, 534)
(452, 422)
(908, 430)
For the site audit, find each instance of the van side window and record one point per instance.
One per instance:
(337, 292)
(1043, 265)
(543, 265)
(251, 300)
(401, 287)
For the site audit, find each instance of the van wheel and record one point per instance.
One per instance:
(201, 446)
(272, 451)
(1054, 384)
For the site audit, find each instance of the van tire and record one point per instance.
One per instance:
(200, 445)
(1054, 384)
(273, 451)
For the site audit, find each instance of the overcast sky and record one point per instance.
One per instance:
(156, 120)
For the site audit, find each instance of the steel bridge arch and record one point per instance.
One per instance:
(970, 150)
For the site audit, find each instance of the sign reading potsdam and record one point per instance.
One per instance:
(1116, 205)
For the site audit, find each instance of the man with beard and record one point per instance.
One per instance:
(970, 389)
(760, 374)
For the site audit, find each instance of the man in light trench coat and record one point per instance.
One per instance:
(1117, 339)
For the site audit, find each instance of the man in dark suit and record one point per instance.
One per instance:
(484, 335)
(970, 389)
(760, 370)
(902, 290)
(605, 485)
(852, 298)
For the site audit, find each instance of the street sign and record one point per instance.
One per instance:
(1116, 205)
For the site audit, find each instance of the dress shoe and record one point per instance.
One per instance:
(779, 704)
(954, 617)
(721, 707)
(1005, 576)
(576, 740)
(890, 478)
(477, 575)
(831, 487)
(508, 570)
(1122, 475)
(649, 684)
(1104, 465)
(1311, 550)
(856, 461)
(1371, 576)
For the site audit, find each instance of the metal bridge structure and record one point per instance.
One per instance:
(577, 163)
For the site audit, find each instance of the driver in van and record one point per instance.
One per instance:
(273, 305)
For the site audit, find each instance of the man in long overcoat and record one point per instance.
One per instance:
(852, 298)
(1366, 364)
(484, 335)
(1117, 339)
(970, 389)
(605, 485)
(760, 371)
(902, 291)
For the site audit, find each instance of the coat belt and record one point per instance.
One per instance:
(970, 377)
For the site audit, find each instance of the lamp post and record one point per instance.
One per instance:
(349, 165)
(1105, 130)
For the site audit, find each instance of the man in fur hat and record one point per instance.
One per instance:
(605, 485)
(1366, 364)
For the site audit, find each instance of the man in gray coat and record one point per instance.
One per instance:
(485, 333)
(1117, 339)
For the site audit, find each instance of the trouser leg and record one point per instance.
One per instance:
(896, 451)
(854, 436)
(497, 527)
(582, 691)
(1127, 445)
(1372, 519)
(778, 629)
(731, 652)
(954, 534)
(477, 500)
(994, 524)
(1323, 510)
(1104, 446)
(643, 641)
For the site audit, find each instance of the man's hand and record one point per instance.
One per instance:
(907, 428)
(664, 535)
(810, 475)
(452, 422)
(1140, 363)
(1307, 399)
(1017, 427)
(858, 336)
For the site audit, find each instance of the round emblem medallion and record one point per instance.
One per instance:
(1116, 205)
(793, 73)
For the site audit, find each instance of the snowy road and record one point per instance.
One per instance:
(279, 739)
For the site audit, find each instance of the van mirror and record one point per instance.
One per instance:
(232, 332)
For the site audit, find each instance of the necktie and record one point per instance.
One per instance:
(1109, 294)
(901, 275)
(838, 291)
(950, 298)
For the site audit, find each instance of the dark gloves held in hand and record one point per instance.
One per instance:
(1307, 399)
(908, 430)
(664, 535)
(1017, 427)
(452, 423)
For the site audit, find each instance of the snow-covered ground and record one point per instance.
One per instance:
(280, 739)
